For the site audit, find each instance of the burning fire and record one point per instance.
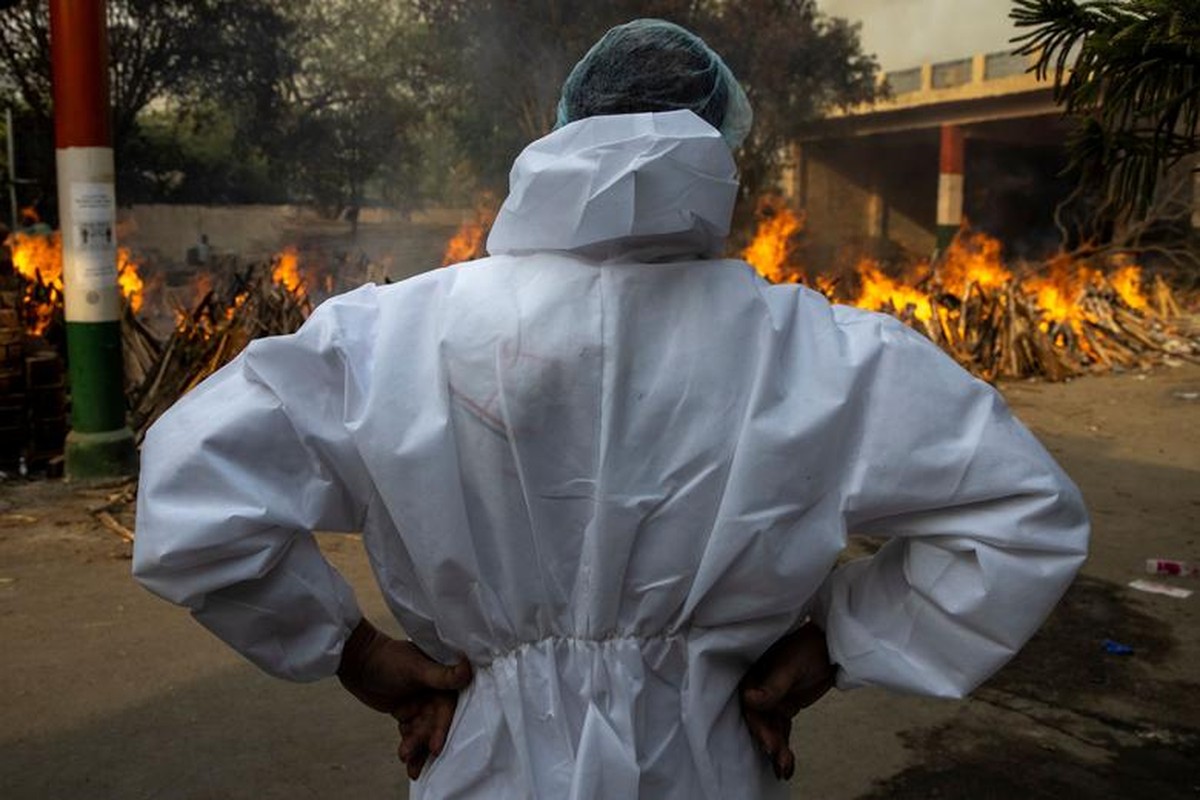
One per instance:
(130, 280)
(464, 245)
(287, 271)
(470, 241)
(880, 291)
(973, 259)
(38, 259)
(774, 245)
(1127, 282)
(1061, 301)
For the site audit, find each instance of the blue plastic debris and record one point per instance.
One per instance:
(1116, 648)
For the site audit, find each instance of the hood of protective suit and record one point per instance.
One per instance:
(657, 186)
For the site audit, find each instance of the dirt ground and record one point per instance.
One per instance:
(111, 693)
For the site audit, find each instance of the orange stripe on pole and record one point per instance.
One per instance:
(79, 59)
(951, 159)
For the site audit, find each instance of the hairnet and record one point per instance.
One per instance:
(654, 65)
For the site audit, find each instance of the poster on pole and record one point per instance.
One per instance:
(92, 247)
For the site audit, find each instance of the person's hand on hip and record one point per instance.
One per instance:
(396, 678)
(793, 674)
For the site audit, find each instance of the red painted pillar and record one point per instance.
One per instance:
(99, 444)
(950, 185)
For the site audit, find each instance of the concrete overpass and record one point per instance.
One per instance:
(979, 137)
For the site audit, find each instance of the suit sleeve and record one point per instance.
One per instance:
(985, 532)
(234, 479)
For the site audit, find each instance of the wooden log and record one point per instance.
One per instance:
(110, 523)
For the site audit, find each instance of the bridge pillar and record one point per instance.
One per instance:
(950, 185)
(877, 213)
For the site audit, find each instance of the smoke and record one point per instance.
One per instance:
(907, 33)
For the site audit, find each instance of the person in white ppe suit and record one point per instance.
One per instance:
(600, 473)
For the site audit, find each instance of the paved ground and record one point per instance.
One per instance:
(110, 693)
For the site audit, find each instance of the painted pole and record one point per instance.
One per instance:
(100, 444)
(950, 185)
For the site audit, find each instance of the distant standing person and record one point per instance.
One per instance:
(198, 255)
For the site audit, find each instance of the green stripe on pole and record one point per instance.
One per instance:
(100, 445)
(94, 364)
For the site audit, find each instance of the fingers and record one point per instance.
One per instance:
(785, 764)
(768, 681)
(414, 755)
(424, 728)
(414, 746)
(443, 717)
(793, 674)
(772, 734)
(443, 677)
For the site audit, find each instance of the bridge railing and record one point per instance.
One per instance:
(976, 69)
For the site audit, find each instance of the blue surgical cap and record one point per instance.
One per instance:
(654, 65)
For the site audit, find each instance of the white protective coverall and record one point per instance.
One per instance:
(611, 469)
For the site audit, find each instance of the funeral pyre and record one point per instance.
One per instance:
(217, 315)
(1063, 317)
(262, 299)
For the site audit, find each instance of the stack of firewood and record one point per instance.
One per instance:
(205, 338)
(1001, 333)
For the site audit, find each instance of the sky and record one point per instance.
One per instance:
(907, 33)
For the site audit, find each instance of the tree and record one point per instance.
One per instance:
(505, 62)
(1129, 71)
(197, 154)
(175, 51)
(353, 101)
(796, 64)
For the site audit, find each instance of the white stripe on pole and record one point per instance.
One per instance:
(950, 200)
(89, 230)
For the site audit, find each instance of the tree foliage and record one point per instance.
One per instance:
(335, 101)
(1129, 70)
(161, 51)
(505, 61)
(797, 64)
(353, 99)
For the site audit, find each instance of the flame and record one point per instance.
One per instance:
(880, 292)
(1127, 282)
(38, 259)
(772, 250)
(130, 281)
(287, 271)
(466, 244)
(469, 242)
(972, 259)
